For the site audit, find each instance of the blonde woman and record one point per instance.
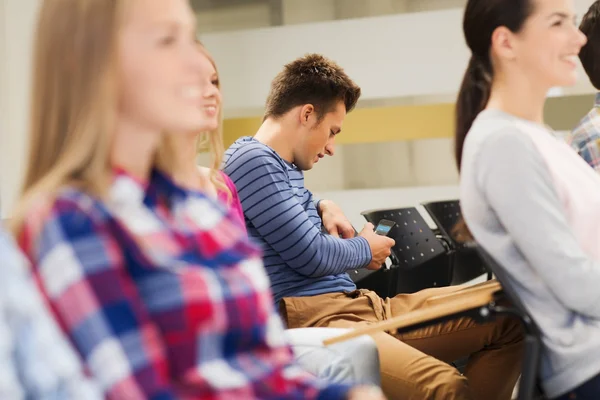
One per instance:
(182, 166)
(157, 288)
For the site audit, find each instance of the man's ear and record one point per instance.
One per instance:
(307, 112)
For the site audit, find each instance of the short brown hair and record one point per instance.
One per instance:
(590, 53)
(312, 79)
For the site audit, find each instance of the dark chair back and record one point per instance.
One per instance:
(417, 257)
(466, 263)
(415, 241)
(445, 214)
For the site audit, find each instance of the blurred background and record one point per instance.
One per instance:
(407, 55)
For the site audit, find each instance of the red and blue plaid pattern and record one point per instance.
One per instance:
(163, 295)
(585, 138)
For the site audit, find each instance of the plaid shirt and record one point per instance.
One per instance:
(163, 295)
(585, 138)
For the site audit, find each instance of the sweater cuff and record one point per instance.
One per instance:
(365, 255)
(316, 203)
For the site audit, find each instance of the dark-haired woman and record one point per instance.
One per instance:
(527, 198)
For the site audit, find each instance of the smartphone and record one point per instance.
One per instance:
(384, 227)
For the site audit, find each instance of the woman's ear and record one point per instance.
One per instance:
(503, 43)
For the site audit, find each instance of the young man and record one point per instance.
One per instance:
(585, 138)
(304, 112)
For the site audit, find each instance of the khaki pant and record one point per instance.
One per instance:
(415, 365)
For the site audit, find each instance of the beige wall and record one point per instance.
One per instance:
(376, 165)
(298, 12)
(381, 165)
(430, 5)
(261, 14)
(17, 19)
(394, 164)
(235, 18)
(386, 165)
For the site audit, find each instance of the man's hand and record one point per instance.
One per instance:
(366, 393)
(334, 220)
(380, 246)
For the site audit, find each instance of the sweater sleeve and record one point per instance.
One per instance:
(518, 186)
(271, 207)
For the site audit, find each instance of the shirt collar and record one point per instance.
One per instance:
(163, 186)
(597, 100)
(126, 189)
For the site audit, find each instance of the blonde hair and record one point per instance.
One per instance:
(211, 141)
(73, 98)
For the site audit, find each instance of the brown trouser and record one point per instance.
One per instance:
(415, 365)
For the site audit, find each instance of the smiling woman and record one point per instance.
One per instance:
(177, 154)
(526, 197)
(147, 280)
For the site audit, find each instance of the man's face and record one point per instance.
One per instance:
(318, 138)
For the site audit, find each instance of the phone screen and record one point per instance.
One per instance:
(384, 227)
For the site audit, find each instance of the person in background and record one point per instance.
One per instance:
(585, 138)
(333, 364)
(158, 288)
(526, 197)
(183, 167)
(305, 110)
(36, 360)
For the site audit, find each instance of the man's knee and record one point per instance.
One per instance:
(450, 384)
(509, 331)
(436, 381)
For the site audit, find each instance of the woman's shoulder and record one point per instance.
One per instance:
(64, 200)
(206, 173)
(227, 180)
(493, 130)
(67, 204)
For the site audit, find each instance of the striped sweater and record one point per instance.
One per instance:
(281, 216)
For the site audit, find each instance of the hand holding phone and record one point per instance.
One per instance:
(384, 227)
(380, 245)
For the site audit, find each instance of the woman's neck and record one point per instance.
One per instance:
(519, 97)
(186, 171)
(133, 149)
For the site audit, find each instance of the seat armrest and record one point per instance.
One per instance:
(451, 306)
(489, 287)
